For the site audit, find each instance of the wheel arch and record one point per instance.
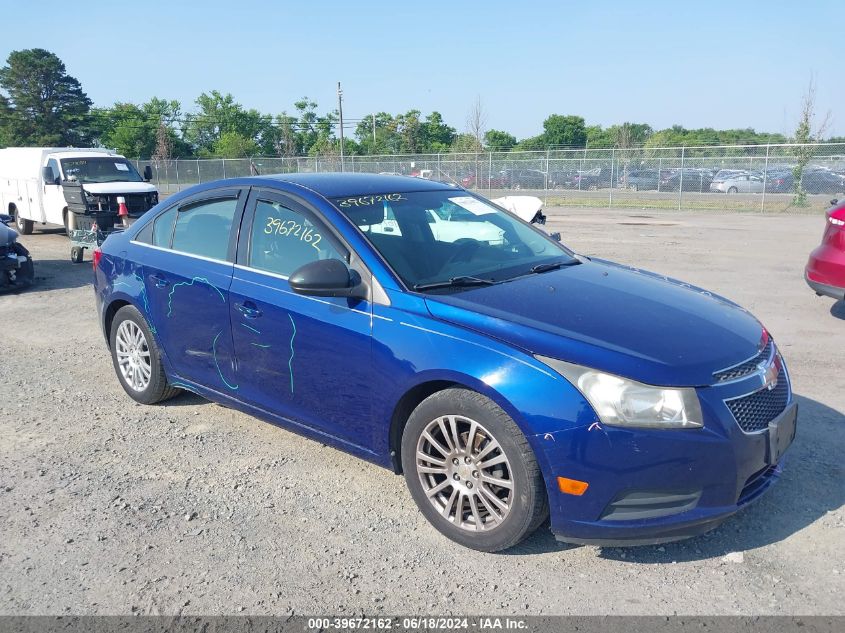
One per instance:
(428, 386)
(409, 401)
(108, 316)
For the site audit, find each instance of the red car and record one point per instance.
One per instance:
(825, 271)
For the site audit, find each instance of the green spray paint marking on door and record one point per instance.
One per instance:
(290, 362)
(190, 283)
(216, 364)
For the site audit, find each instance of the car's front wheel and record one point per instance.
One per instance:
(471, 471)
(137, 359)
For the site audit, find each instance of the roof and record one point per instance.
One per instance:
(333, 185)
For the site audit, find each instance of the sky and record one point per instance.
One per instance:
(718, 64)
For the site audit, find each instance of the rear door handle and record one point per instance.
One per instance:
(249, 310)
(160, 282)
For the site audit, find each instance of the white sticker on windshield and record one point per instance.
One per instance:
(122, 166)
(473, 205)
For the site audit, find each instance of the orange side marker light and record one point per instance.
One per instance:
(572, 486)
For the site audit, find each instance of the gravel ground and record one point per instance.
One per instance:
(109, 507)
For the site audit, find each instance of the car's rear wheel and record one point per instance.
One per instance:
(471, 471)
(732, 190)
(137, 359)
(635, 187)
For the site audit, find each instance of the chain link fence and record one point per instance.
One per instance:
(730, 177)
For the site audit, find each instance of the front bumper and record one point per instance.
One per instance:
(655, 486)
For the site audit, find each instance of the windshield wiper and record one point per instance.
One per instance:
(456, 282)
(542, 268)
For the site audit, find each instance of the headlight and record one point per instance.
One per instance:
(623, 402)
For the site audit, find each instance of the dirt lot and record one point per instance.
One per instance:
(110, 507)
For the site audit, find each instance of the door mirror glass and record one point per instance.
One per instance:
(49, 177)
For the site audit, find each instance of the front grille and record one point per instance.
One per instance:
(137, 203)
(754, 411)
(746, 368)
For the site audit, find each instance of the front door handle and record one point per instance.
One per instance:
(249, 310)
(160, 282)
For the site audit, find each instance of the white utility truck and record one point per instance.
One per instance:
(33, 181)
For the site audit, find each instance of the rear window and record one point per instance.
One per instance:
(204, 228)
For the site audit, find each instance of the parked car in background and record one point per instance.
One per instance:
(691, 179)
(723, 174)
(484, 180)
(499, 379)
(640, 179)
(813, 180)
(522, 179)
(779, 180)
(595, 178)
(738, 183)
(562, 178)
(822, 181)
(825, 270)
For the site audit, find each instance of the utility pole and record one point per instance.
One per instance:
(374, 133)
(340, 111)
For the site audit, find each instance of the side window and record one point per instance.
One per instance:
(163, 228)
(203, 228)
(282, 240)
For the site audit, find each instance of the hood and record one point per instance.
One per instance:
(98, 188)
(621, 320)
(8, 235)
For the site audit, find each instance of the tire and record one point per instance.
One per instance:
(24, 226)
(458, 509)
(124, 338)
(635, 187)
(732, 190)
(77, 254)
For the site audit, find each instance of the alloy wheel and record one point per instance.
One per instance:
(464, 473)
(133, 355)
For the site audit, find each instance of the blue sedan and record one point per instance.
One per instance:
(508, 378)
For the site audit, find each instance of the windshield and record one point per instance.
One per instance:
(100, 169)
(429, 237)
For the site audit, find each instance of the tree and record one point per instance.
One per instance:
(466, 143)
(138, 130)
(498, 141)
(567, 131)
(477, 120)
(436, 135)
(46, 106)
(124, 127)
(5, 114)
(376, 134)
(806, 133)
(234, 145)
(219, 114)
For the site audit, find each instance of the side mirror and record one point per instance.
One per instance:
(148, 173)
(49, 177)
(326, 278)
